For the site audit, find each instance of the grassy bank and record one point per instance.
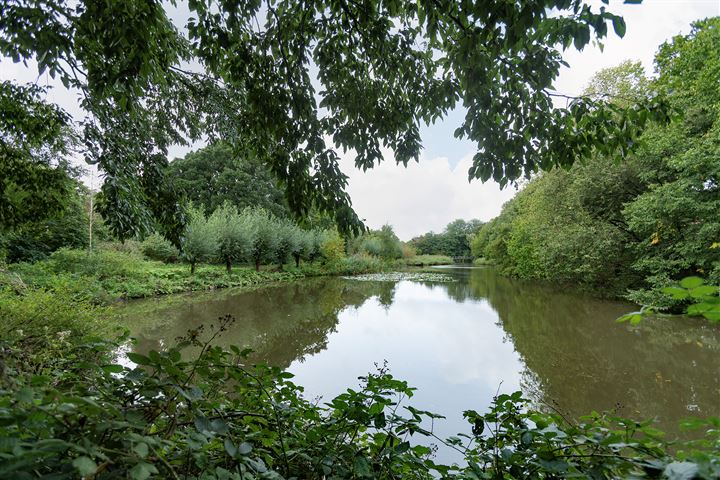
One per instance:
(72, 289)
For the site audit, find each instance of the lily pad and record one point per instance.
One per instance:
(400, 276)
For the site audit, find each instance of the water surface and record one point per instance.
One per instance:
(461, 342)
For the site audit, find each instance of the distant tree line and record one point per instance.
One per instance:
(453, 241)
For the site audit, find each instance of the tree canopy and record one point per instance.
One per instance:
(293, 83)
(214, 175)
(641, 224)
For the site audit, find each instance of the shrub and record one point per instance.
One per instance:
(156, 247)
(332, 246)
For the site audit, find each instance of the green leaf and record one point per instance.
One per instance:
(244, 448)
(141, 449)
(703, 291)
(142, 470)
(619, 26)
(138, 359)
(361, 467)
(230, 447)
(114, 368)
(676, 292)
(700, 308)
(24, 395)
(691, 282)
(85, 466)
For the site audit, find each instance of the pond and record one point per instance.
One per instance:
(459, 342)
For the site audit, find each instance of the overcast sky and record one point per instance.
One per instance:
(428, 195)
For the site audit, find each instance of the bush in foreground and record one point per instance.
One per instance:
(80, 415)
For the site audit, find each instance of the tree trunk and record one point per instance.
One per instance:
(228, 265)
(192, 268)
(297, 261)
(257, 264)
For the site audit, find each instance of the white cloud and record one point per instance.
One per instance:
(424, 196)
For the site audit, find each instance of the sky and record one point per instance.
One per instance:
(430, 194)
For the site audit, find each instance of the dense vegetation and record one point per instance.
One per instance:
(68, 410)
(382, 70)
(639, 224)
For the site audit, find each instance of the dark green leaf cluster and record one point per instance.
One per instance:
(214, 175)
(291, 83)
(35, 139)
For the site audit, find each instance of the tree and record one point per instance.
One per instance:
(676, 219)
(383, 69)
(214, 175)
(454, 241)
(36, 179)
(36, 237)
(199, 241)
(288, 241)
(234, 234)
(264, 236)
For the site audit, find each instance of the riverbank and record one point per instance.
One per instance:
(72, 289)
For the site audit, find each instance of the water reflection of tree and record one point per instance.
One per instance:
(581, 360)
(281, 324)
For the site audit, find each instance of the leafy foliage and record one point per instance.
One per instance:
(35, 140)
(383, 70)
(215, 417)
(638, 224)
(214, 175)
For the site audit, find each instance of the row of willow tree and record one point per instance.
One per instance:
(632, 227)
(253, 235)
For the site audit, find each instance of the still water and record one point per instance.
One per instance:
(460, 342)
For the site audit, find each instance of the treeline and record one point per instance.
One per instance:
(253, 235)
(210, 177)
(629, 228)
(453, 241)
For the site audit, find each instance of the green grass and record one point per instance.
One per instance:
(428, 260)
(104, 276)
(70, 291)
